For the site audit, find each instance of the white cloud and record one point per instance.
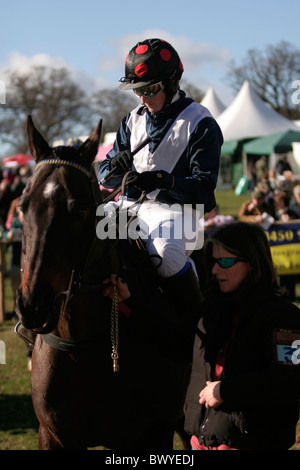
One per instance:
(22, 63)
(202, 61)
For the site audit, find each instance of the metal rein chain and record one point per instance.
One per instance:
(115, 330)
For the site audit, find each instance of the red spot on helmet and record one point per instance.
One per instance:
(165, 55)
(142, 49)
(141, 69)
(126, 58)
(180, 65)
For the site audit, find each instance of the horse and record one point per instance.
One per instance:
(99, 377)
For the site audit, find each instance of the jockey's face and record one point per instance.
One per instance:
(154, 103)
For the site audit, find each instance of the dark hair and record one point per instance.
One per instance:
(248, 241)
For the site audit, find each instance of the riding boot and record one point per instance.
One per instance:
(184, 291)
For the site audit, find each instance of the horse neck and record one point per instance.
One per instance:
(88, 308)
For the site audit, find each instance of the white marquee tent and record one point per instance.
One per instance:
(212, 102)
(248, 116)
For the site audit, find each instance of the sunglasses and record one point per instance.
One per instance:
(226, 263)
(150, 90)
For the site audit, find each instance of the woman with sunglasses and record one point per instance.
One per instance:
(178, 165)
(245, 382)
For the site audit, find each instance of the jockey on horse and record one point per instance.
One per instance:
(176, 167)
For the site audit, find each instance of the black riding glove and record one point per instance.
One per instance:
(122, 162)
(150, 180)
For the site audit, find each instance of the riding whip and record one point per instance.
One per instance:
(136, 150)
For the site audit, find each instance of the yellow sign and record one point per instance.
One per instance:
(286, 258)
(285, 247)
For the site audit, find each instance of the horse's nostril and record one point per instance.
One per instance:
(34, 311)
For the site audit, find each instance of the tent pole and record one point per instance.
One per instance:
(245, 166)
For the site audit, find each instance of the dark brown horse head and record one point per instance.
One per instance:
(59, 210)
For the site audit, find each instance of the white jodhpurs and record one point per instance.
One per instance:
(171, 232)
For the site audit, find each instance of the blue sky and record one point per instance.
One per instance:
(92, 37)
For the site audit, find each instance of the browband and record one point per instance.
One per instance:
(58, 161)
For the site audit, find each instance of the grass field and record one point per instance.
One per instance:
(18, 425)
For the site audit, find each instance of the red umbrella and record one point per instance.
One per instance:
(17, 160)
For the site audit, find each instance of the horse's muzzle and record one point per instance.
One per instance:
(38, 314)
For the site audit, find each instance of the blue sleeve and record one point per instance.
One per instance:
(122, 142)
(202, 160)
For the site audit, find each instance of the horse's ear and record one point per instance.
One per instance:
(38, 146)
(88, 150)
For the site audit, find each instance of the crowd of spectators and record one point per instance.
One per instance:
(12, 184)
(13, 181)
(275, 197)
(275, 193)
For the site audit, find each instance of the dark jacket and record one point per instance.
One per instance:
(295, 208)
(261, 396)
(197, 169)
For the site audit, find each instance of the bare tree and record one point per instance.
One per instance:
(112, 105)
(60, 107)
(57, 104)
(191, 90)
(271, 73)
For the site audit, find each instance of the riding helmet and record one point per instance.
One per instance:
(151, 61)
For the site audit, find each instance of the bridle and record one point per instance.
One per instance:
(58, 161)
(90, 174)
(72, 346)
(51, 339)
